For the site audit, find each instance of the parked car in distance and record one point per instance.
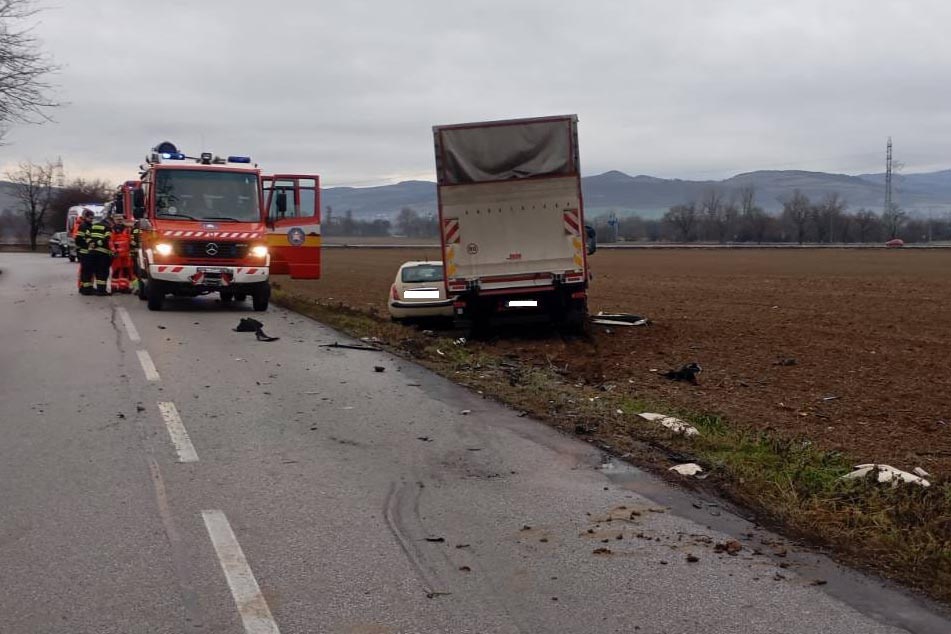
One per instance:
(419, 292)
(895, 242)
(59, 245)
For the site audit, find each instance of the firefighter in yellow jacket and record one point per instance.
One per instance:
(99, 243)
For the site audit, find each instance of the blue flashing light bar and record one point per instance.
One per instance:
(239, 159)
(174, 156)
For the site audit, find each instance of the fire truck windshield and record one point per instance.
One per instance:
(207, 195)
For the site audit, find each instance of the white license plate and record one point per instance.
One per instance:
(522, 303)
(416, 294)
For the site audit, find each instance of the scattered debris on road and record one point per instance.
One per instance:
(466, 412)
(673, 424)
(620, 319)
(692, 559)
(786, 362)
(436, 540)
(688, 469)
(885, 473)
(687, 372)
(349, 346)
(424, 438)
(259, 334)
(602, 551)
(731, 547)
(378, 368)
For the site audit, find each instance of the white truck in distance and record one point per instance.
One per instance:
(511, 220)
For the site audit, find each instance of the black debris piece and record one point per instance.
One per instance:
(687, 372)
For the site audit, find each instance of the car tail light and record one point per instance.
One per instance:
(393, 292)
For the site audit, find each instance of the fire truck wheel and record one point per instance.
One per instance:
(240, 297)
(155, 293)
(226, 297)
(260, 296)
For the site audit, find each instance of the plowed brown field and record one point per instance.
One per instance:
(869, 332)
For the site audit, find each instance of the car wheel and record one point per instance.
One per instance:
(155, 294)
(52, 253)
(261, 296)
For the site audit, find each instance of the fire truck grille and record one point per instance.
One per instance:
(212, 250)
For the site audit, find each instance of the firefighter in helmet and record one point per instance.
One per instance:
(99, 243)
(82, 250)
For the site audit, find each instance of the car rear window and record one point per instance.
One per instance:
(422, 273)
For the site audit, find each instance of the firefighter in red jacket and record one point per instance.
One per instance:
(122, 258)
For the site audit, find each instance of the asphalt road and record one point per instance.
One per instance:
(162, 473)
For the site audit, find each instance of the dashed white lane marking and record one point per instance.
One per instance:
(129, 326)
(178, 433)
(151, 374)
(255, 614)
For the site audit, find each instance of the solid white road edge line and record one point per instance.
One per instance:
(129, 326)
(151, 374)
(178, 433)
(255, 614)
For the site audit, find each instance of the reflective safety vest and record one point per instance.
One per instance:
(80, 239)
(136, 237)
(98, 238)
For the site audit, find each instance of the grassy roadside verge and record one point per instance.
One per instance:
(902, 532)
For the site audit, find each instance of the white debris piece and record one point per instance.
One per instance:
(921, 472)
(886, 473)
(673, 424)
(688, 469)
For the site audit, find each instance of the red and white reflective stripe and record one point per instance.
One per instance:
(457, 286)
(572, 222)
(170, 269)
(450, 231)
(248, 271)
(246, 235)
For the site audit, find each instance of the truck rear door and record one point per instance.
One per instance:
(510, 205)
(292, 202)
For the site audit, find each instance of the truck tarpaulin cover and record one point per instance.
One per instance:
(505, 150)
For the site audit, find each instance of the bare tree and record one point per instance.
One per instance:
(894, 219)
(866, 222)
(796, 211)
(747, 196)
(827, 217)
(684, 219)
(23, 68)
(34, 189)
(711, 206)
(76, 192)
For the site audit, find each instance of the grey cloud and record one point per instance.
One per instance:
(351, 89)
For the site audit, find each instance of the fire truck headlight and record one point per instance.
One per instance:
(259, 251)
(163, 248)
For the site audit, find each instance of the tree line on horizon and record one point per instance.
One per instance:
(721, 216)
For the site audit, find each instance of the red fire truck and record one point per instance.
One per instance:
(213, 224)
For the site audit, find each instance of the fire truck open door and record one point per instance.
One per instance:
(293, 222)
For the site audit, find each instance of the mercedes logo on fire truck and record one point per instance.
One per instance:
(211, 249)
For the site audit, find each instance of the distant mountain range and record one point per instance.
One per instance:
(650, 196)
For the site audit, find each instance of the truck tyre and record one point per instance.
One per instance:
(227, 297)
(155, 294)
(240, 297)
(261, 296)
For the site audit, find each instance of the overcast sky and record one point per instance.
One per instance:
(350, 89)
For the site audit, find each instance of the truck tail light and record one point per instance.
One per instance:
(579, 295)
